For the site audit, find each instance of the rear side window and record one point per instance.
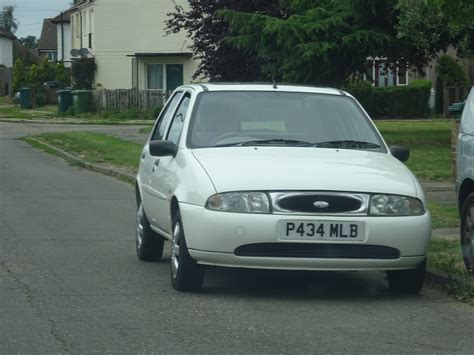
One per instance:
(166, 116)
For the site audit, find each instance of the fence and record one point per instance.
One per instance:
(124, 99)
(452, 94)
(5, 81)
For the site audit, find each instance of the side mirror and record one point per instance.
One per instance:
(163, 148)
(401, 153)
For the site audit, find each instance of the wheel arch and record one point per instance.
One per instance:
(466, 188)
(138, 194)
(174, 207)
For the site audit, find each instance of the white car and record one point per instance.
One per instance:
(465, 181)
(277, 177)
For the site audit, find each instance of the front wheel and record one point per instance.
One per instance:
(467, 232)
(407, 281)
(186, 274)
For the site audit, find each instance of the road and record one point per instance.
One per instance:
(70, 282)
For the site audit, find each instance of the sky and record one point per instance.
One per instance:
(30, 14)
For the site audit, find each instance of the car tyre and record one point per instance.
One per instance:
(186, 274)
(467, 232)
(149, 245)
(407, 281)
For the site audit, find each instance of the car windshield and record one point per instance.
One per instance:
(247, 118)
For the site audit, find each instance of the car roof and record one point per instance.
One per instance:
(264, 87)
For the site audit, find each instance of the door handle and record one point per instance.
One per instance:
(143, 155)
(157, 162)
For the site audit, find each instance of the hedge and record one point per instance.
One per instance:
(410, 101)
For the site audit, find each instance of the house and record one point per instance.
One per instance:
(6, 47)
(64, 36)
(48, 42)
(129, 42)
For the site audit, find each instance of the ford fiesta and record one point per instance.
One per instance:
(277, 177)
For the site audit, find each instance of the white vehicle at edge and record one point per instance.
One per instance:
(277, 177)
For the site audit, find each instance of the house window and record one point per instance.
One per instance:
(164, 76)
(77, 25)
(52, 56)
(155, 76)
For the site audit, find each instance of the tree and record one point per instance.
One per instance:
(30, 42)
(62, 74)
(84, 71)
(321, 42)
(19, 75)
(8, 20)
(449, 73)
(32, 76)
(46, 71)
(220, 61)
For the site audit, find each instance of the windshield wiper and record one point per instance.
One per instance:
(266, 142)
(346, 144)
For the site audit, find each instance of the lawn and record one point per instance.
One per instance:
(96, 148)
(429, 142)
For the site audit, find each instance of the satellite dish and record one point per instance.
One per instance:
(84, 52)
(75, 52)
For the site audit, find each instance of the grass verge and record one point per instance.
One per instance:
(96, 148)
(429, 142)
(445, 255)
(444, 216)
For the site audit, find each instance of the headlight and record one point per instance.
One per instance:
(392, 205)
(242, 202)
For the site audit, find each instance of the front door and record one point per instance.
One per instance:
(164, 175)
(174, 76)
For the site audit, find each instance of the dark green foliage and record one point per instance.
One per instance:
(219, 60)
(30, 42)
(452, 74)
(19, 76)
(84, 71)
(7, 19)
(323, 42)
(409, 101)
(62, 74)
(46, 71)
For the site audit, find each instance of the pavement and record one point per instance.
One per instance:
(70, 283)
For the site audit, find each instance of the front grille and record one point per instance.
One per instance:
(312, 250)
(305, 203)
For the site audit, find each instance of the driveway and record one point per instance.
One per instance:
(70, 282)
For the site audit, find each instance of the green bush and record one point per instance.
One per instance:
(19, 76)
(450, 73)
(410, 101)
(84, 71)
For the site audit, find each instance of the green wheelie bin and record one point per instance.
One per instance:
(82, 101)
(64, 100)
(26, 98)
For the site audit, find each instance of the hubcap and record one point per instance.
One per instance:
(175, 249)
(468, 237)
(139, 227)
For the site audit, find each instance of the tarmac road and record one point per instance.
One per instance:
(70, 282)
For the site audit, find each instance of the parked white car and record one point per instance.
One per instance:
(465, 180)
(277, 177)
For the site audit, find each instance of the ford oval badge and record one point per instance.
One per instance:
(321, 204)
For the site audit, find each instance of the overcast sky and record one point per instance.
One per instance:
(30, 13)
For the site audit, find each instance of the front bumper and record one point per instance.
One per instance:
(212, 238)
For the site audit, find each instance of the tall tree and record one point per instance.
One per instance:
(319, 42)
(220, 60)
(8, 20)
(30, 42)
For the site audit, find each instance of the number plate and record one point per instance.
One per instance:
(321, 230)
